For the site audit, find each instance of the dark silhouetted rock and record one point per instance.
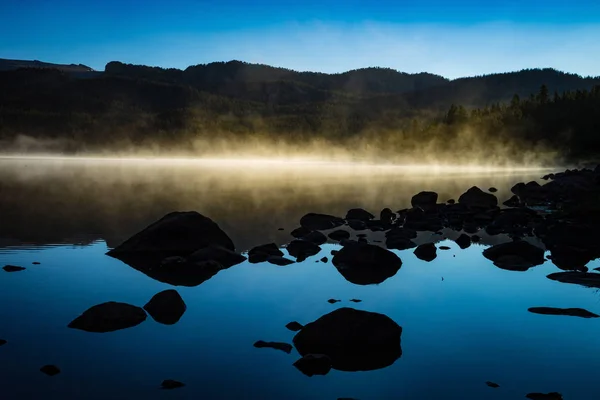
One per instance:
(348, 242)
(171, 384)
(294, 326)
(572, 312)
(544, 396)
(357, 224)
(108, 317)
(528, 252)
(320, 222)
(359, 214)
(280, 229)
(300, 232)
(223, 256)
(401, 232)
(475, 238)
(333, 301)
(50, 370)
(261, 253)
(451, 201)
(173, 261)
(36, 263)
(166, 307)
(477, 198)
(492, 384)
(339, 235)
(334, 252)
(286, 347)
(13, 268)
(463, 241)
(281, 261)
(355, 300)
(587, 279)
(177, 233)
(354, 340)
(399, 243)
(513, 202)
(315, 237)
(3, 342)
(301, 249)
(424, 200)
(314, 364)
(361, 235)
(570, 257)
(444, 248)
(513, 263)
(426, 252)
(493, 190)
(324, 259)
(386, 216)
(365, 264)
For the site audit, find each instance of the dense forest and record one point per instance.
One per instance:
(374, 110)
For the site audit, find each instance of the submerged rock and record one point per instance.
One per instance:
(477, 198)
(359, 214)
(294, 326)
(524, 250)
(166, 307)
(109, 317)
(50, 370)
(365, 264)
(171, 384)
(13, 268)
(463, 241)
(339, 235)
(320, 222)
(285, 347)
(314, 364)
(544, 396)
(223, 256)
(281, 261)
(573, 312)
(426, 252)
(424, 200)
(301, 249)
(261, 253)
(587, 279)
(354, 340)
(492, 384)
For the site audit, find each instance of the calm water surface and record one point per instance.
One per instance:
(470, 327)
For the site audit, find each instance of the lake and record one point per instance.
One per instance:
(464, 321)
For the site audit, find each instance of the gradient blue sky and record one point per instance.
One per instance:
(451, 38)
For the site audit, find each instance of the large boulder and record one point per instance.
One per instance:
(520, 249)
(109, 317)
(320, 222)
(359, 214)
(426, 252)
(223, 256)
(166, 307)
(263, 252)
(365, 264)
(301, 249)
(354, 340)
(177, 233)
(424, 200)
(477, 198)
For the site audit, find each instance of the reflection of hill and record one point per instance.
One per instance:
(44, 202)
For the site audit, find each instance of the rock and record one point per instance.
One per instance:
(444, 248)
(426, 252)
(451, 201)
(463, 241)
(492, 190)
(324, 259)
(572, 312)
(109, 317)
(528, 252)
(477, 198)
(357, 225)
(348, 242)
(50, 370)
(300, 232)
(301, 249)
(315, 237)
(333, 301)
(13, 268)
(281, 261)
(355, 300)
(166, 307)
(171, 384)
(401, 232)
(223, 256)
(294, 326)
(172, 261)
(320, 222)
(587, 279)
(492, 384)
(513, 202)
(3, 342)
(314, 364)
(513, 263)
(261, 253)
(177, 233)
(36, 263)
(354, 340)
(334, 252)
(339, 235)
(399, 243)
(475, 238)
(544, 396)
(280, 229)
(386, 216)
(286, 347)
(570, 258)
(424, 200)
(361, 235)
(362, 240)
(365, 264)
(359, 214)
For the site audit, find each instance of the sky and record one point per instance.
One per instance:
(450, 38)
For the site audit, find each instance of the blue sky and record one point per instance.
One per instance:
(451, 38)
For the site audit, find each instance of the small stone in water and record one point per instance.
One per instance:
(50, 370)
(171, 384)
(333, 301)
